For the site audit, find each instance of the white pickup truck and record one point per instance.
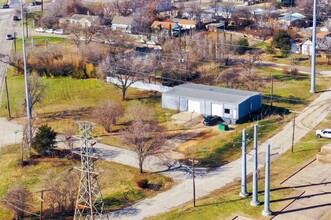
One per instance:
(325, 133)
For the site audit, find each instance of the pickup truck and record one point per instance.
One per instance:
(325, 133)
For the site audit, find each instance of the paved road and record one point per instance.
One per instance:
(313, 194)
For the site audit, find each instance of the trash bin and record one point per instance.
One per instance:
(223, 127)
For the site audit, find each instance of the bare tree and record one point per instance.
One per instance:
(17, 199)
(138, 111)
(108, 113)
(36, 90)
(125, 69)
(145, 139)
(228, 9)
(249, 63)
(61, 192)
(68, 137)
(230, 77)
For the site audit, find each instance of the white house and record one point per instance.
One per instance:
(82, 20)
(307, 47)
(122, 23)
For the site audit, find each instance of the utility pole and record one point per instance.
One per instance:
(26, 82)
(255, 199)
(42, 6)
(293, 131)
(266, 211)
(313, 57)
(272, 91)
(193, 181)
(243, 192)
(7, 93)
(89, 204)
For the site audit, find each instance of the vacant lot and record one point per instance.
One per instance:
(117, 182)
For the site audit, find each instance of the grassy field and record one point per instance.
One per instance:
(67, 100)
(41, 41)
(118, 188)
(226, 204)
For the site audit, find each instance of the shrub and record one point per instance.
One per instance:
(44, 141)
(242, 46)
(142, 183)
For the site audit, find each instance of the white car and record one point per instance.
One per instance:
(41, 30)
(325, 133)
(49, 31)
(58, 31)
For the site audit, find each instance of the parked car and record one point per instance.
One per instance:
(35, 3)
(49, 31)
(42, 30)
(58, 31)
(5, 6)
(10, 37)
(16, 18)
(325, 133)
(211, 120)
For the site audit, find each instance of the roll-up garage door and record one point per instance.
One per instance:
(193, 106)
(217, 110)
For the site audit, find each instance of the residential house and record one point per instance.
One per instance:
(307, 47)
(122, 23)
(215, 27)
(232, 105)
(289, 18)
(81, 20)
(296, 45)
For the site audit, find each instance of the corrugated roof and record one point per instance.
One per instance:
(212, 93)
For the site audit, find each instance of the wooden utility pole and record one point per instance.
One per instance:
(42, 202)
(7, 93)
(293, 132)
(42, 6)
(272, 90)
(193, 181)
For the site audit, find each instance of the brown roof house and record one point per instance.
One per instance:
(122, 23)
(83, 20)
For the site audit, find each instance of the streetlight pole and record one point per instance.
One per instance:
(26, 82)
(313, 57)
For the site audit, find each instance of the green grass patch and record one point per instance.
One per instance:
(67, 100)
(41, 41)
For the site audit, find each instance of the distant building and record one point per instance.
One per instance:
(122, 23)
(232, 105)
(82, 20)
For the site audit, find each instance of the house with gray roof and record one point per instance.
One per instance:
(82, 20)
(122, 23)
(232, 105)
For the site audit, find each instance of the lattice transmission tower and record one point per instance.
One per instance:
(89, 204)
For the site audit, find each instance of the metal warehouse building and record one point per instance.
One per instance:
(230, 104)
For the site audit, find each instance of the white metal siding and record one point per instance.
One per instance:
(194, 106)
(217, 109)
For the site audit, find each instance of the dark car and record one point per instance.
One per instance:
(212, 120)
(35, 3)
(5, 6)
(10, 37)
(16, 18)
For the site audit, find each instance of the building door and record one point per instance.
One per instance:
(194, 106)
(217, 109)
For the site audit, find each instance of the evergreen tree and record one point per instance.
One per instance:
(242, 46)
(44, 140)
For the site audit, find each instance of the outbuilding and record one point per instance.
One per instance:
(232, 105)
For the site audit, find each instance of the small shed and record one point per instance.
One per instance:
(232, 105)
